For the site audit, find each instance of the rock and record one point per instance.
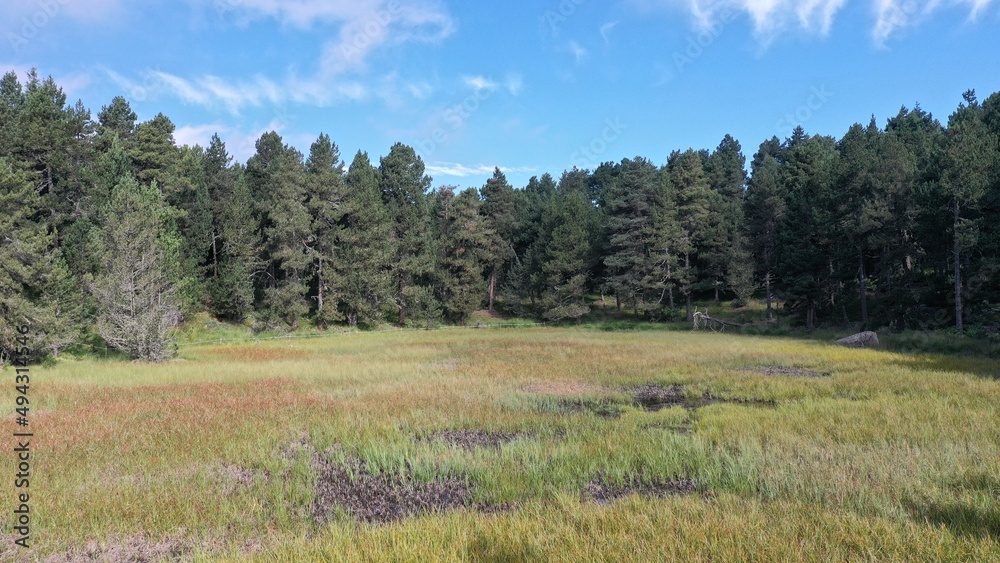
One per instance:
(860, 340)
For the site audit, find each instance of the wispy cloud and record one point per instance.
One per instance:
(772, 18)
(477, 83)
(362, 27)
(462, 171)
(606, 31)
(893, 16)
(514, 83)
(207, 91)
(578, 51)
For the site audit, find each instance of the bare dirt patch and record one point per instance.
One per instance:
(379, 498)
(136, 548)
(473, 439)
(657, 397)
(783, 371)
(603, 491)
(604, 408)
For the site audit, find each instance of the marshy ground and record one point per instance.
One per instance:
(530, 443)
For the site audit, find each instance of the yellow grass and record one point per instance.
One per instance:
(894, 457)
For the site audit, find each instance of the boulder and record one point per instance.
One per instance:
(860, 340)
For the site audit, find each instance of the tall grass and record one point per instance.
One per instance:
(894, 456)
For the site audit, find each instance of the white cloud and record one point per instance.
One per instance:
(37, 12)
(462, 171)
(514, 83)
(192, 135)
(480, 83)
(577, 50)
(362, 27)
(893, 16)
(772, 18)
(241, 143)
(207, 90)
(606, 31)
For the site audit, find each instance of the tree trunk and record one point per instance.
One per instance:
(215, 254)
(957, 249)
(319, 294)
(493, 283)
(352, 319)
(690, 314)
(863, 289)
(767, 294)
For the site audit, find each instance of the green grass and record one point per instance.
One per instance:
(895, 456)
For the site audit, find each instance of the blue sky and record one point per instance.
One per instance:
(531, 87)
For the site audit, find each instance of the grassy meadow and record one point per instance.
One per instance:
(878, 456)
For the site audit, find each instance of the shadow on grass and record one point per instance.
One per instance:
(973, 509)
(961, 518)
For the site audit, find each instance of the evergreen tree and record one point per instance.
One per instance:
(325, 177)
(154, 152)
(404, 187)
(115, 120)
(805, 260)
(232, 291)
(138, 311)
(35, 286)
(463, 240)
(568, 257)
(219, 181)
(501, 220)
(726, 172)
(637, 242)
(967, 162)
(695, 201)
(363, 278)
(764, 210)
(288, 239)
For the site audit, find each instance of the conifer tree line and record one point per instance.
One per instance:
(107, 227)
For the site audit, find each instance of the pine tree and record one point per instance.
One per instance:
(726, 172)
(219, 182)
(805, 257)
(288, 239)
(363, 280)
(568, 258)
(501, 219)
(967, 162)
(632, 203)
(764, 211)
(695, 201)
(154, 152)
(463, 241)
(35, 286)
(138, 311)
(115, 120)
(232, 290)
(325, 178)
(404, 187)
